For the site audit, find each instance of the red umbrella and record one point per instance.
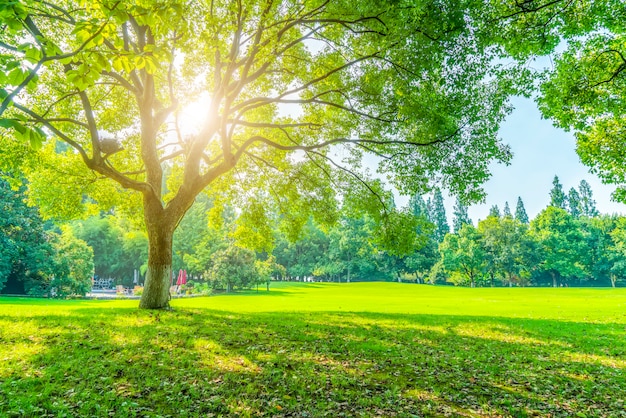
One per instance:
(180, 281)
(184, 278)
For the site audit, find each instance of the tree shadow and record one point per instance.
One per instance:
(201, 362)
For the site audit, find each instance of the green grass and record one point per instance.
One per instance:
(376, 349)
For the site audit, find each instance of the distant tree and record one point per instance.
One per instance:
(561, 244)
(520, 211)
(494, 211)
(507, 211)
(307, 256)
(462, 256)
(233, 267)
(418, 206)
(573, 203)
(73, 266)
(460, 216)
(119, 248)
(106, 239)
(438, 216)
(587, 204)
(617, 252)
(557, 196)
(352, 246)
(505, 243)
(599, 256)
(423, 260)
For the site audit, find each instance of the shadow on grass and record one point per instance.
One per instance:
(197, 362)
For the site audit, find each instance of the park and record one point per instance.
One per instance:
(296, 162)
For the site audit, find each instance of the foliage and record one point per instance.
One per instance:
(508, 249)
(557, 195)
(494, 212)
(26, 256)
(574, 206)
(520, 211)
(118, 248)
(460, 216)
(73, 266)
(506, 212)
(584, 92)
(462, 255)
(587, 204)
(561, 243)
(233, 267)
(600, 258)
(437, 215)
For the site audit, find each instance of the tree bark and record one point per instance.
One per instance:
(160, 226)
(156, 293)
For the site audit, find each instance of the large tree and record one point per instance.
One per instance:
(297, 93)
(585, 90)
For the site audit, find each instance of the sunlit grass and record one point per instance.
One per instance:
(371, 349)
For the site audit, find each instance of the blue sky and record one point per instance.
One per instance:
(540, 151)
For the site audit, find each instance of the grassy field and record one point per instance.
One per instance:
(314, 350)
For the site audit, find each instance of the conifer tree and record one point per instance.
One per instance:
(494, 211)
(573, 203)
(587, 204)
(461, 217)
(438, 216)
(507, 210)
(520, 211)
(557, 196)
(418, 206)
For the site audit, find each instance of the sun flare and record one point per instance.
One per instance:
(190, 119)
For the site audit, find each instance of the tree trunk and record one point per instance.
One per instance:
(554, 283)
(156, 293)
(613, 280)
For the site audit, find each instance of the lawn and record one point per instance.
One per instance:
(313, 350)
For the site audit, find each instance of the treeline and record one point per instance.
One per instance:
(568, 244)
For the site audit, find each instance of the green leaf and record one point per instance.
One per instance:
(11, 123)
(33, 54)
(36, 138)
(16, 76)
